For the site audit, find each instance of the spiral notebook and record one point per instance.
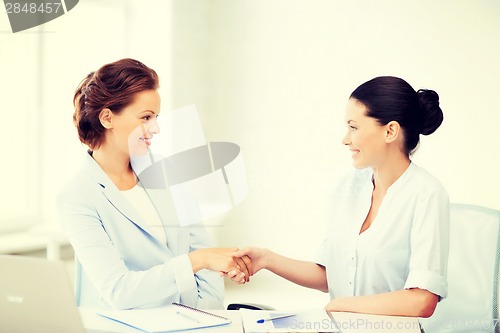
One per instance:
(174, 318)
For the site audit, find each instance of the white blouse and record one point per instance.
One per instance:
(406, 245)
(140, 201)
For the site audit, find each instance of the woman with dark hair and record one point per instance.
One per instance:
(130, 253)
(386, 245)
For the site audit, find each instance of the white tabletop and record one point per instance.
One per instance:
(347, 322)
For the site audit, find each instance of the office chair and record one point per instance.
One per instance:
(473, 268)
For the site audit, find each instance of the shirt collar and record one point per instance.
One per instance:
(404, 178)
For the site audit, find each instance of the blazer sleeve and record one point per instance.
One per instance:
(210, 285)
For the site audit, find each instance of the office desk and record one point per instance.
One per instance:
(347, 322)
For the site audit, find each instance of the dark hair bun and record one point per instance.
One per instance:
(432, 115)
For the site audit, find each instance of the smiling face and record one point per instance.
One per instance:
(132, 129)
(365, 137)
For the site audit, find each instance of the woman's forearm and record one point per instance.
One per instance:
(304, 273)
(408, 302)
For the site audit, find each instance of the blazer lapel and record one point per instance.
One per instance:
(114, 196)
(162, 200)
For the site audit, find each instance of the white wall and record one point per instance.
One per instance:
(272, 76)
(19, 190)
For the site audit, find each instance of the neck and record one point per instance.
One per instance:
(113, 162)
(388, 172)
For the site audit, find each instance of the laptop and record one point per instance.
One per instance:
(37, 296)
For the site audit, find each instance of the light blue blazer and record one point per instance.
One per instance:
(119, 263)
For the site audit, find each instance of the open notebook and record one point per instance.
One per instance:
(177, 317)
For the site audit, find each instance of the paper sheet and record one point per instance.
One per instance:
(164, 319)
(313, 320)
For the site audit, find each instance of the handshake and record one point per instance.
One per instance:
(240, 264)
(237, 264)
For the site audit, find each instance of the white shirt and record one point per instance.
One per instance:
(406, 245)
(141, 202)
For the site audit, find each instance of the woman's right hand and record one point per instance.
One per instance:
(222, 260)
(258, 256)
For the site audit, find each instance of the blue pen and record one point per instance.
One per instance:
(262, 321)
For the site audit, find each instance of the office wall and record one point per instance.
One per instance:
(19, 184)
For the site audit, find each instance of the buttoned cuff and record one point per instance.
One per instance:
(185, 280)
(431, 281)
